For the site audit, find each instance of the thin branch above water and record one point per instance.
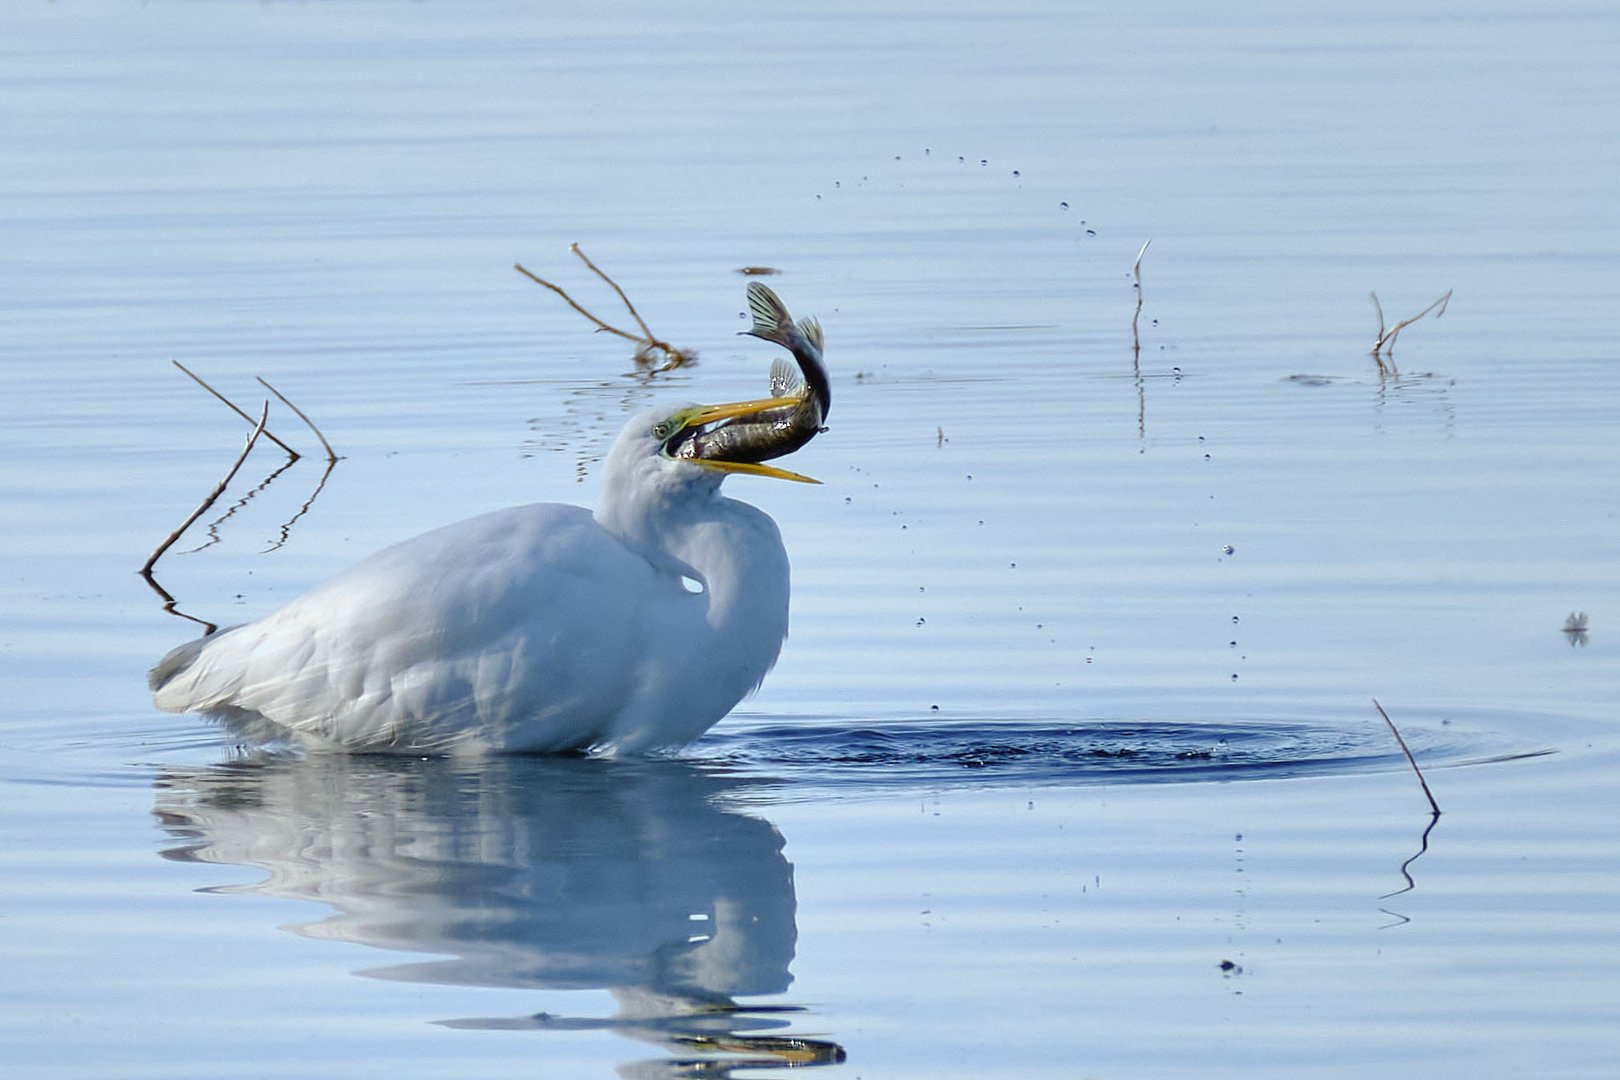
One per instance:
(331, 455)
(1384, 344)
(1409, 758)
(202, 508)
(200, 381)
(1136, 272)
(260, 430)
(654, 353)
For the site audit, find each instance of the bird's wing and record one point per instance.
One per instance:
(527, 615)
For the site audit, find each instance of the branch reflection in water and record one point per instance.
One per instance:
(544, 874)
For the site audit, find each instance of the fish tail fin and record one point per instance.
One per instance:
(771, 319)
(810, 326)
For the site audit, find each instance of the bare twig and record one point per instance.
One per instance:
(651, 346)
(1136, 271)
(198, 379)
(331, 455)
(1410, 759)
(1136, 346)
(260, 428)
(1384, 344)
(614, 285)
(213, 496)
(571, 302)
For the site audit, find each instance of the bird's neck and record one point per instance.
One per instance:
(733, 550)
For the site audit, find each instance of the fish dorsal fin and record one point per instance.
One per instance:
(810, 326)
(786, 381)
(771, 317)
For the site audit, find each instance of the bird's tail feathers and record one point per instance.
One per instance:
(176, 661)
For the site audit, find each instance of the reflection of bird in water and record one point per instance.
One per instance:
(545, 627)
(527, 874)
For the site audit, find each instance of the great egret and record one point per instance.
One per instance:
(544, 628)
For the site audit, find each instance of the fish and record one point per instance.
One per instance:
(803, 386)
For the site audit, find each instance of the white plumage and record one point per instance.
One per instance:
(538, 628)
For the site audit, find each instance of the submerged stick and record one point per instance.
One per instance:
(200, 381)
(213, 496)
(331, 455)
(1410, 759)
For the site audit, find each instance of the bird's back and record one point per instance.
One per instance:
(445, 642)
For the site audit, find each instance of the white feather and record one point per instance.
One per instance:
(536, 628)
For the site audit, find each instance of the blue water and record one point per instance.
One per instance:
(1070, 765)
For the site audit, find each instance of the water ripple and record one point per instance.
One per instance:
(1051, 752)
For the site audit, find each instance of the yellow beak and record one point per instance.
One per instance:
(699, 415)
(757, 469)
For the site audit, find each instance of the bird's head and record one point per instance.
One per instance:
(687, 434)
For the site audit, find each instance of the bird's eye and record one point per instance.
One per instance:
(664, 429)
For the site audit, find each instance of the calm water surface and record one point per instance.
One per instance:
(1070, 766)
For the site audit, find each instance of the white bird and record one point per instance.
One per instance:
(542, 628)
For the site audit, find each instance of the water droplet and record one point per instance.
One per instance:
(1234, 619)
(1063, 206)
(1229, 550)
